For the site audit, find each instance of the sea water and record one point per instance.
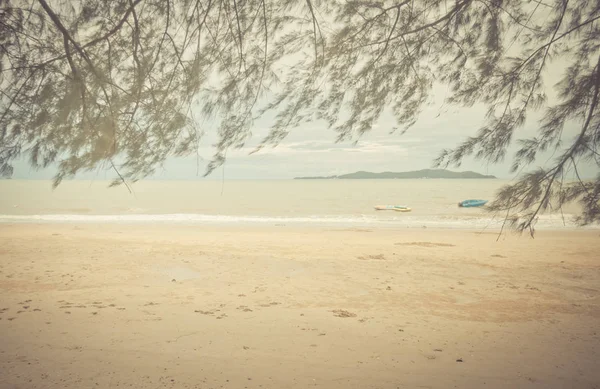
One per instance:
(343, 203)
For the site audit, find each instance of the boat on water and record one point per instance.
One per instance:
(472, 203)
(398, 208)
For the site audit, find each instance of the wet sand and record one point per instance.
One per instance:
(166, 306)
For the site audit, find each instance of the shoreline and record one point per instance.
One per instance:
(307, 229)
(309, 222)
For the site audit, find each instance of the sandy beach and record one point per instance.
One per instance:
(167, 306)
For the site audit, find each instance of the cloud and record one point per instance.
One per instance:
(325, 147)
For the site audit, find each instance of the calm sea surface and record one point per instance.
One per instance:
(347, 203)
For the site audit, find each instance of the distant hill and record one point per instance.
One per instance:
(425, 173)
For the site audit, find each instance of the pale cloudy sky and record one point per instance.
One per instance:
(311, 150)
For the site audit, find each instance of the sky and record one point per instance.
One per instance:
(311, 150)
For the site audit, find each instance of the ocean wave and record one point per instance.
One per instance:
(446, 221)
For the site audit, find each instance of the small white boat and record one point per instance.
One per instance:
(398, 208)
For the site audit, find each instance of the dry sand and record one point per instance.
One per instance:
(106, 306)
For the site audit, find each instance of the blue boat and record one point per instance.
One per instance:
(472, 203)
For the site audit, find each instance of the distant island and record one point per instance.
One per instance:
(424, 173)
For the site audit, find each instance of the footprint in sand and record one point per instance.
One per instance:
(70, 305)
(204, 312)
(272, 304)
(210, 313)
(378, 257)
(343, 313)
(529, 287)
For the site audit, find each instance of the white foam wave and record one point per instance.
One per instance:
(185, 217)
(458, 222)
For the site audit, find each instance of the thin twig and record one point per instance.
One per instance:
(119, 174)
